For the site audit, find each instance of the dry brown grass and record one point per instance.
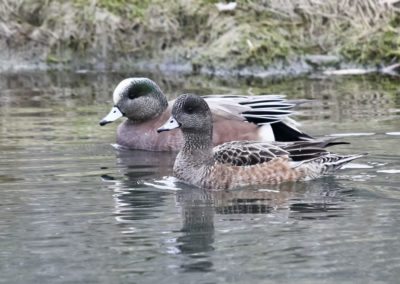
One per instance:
(256, 33)
(333, 25)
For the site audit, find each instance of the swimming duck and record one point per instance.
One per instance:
(242, 163)
(261, 118)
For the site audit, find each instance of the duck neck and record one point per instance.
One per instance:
(198, 145)
(163, 103)
(154, 109)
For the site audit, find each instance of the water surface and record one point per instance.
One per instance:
(76, 210)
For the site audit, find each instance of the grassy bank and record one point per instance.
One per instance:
(102, 33)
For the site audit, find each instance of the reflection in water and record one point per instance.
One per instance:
(149, 164)
(132, 201)
(137, 205)
(200, 206)
(197, 236)
(287, 196)
(134, 204)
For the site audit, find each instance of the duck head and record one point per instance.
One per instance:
(138, 99)
(191, 113)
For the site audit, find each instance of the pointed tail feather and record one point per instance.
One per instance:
(332, 162)
(326, 164)
(323, 142)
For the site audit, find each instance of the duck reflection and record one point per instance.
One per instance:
(136, 164)
(303, 197)
(315, 200)
(197, 233)
(133, 199)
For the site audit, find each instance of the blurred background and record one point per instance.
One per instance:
(198, 36)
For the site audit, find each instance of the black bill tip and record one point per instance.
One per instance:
(104, 122)
(159, 130)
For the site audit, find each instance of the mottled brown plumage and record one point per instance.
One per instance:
(241, 163)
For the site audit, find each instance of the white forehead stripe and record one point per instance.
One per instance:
(122, 86)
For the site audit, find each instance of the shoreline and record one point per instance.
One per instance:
(194, 37)
(294, 69)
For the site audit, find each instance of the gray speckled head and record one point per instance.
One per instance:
(139, 99)
(192, 113)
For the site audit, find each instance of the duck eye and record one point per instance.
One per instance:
(189, 110)
(131, 95)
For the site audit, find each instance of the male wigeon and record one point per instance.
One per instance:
(141, 101)
(241, 163)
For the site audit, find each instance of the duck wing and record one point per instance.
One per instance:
(310, 149)
(270, 111)
(256, 109)
(246, 153)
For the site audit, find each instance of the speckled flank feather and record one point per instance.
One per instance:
(221, 176)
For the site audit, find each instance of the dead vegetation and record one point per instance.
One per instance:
(254, 33)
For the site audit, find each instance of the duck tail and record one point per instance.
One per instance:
(326, 164)
(334, 162)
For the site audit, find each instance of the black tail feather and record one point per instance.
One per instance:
(285, 133)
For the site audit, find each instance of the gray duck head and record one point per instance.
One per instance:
(192, 114)
(139, 99)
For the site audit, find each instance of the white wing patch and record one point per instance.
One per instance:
(265, 133)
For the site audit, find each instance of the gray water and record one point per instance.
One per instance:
(76, 210)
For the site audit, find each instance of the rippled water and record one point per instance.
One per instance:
(76, 210)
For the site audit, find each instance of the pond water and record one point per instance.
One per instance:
(76, 210)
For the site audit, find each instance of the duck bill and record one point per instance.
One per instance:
(113, 115)
(169, 125)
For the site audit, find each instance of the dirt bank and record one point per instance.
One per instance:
(275, 37)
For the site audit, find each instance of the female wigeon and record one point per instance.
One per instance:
(260, 118)
(241, 163)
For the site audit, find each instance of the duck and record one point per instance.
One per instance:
(142, 102)
(238, 164)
